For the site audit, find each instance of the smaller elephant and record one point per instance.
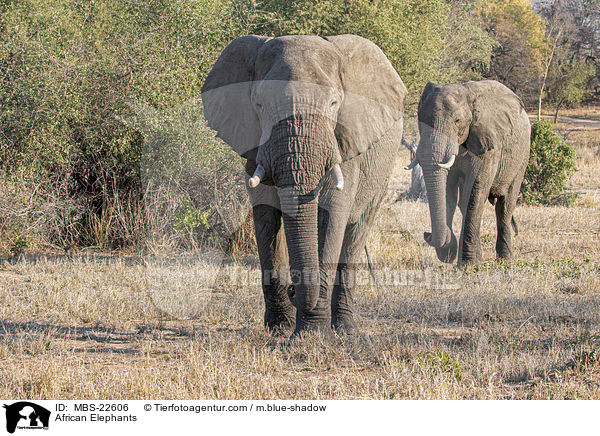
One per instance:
(474, 146)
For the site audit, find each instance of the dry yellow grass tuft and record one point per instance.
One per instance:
(115, 327)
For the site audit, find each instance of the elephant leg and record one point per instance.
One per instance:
(505, 207)
(355, 238)
(272, 252)
(330, 240)
(342, 300)
(471, 252)
(464, 192)
(503, 223)
(279, 312)
(462, 205)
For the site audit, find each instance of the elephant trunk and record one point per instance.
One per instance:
(435, 181)
(300, 223)
(301, 148)
(436, 155)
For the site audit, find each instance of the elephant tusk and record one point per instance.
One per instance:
(412, 164)
(258, 175)
(448, 164)
(338, 177)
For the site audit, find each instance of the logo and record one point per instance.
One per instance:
(26, 415)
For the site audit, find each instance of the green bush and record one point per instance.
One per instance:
(551, 163)
(19, 244)
(68, 72)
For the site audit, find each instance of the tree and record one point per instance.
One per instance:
(553, 38)
(518, 58)
(424, 39)
(581, 17)
(465, 36)
(573, 28)
(569, 84)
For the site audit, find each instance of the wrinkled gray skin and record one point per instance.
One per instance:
(299, 105)
(483, 124)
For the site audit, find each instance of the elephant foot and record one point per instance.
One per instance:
(280, 321)
(504, 257)
(504, 253)
(471, 255)
(468, 262)
(344, 324)
(280, 314)
(307, 322)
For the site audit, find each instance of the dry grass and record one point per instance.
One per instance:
(190, 328)
(586, 112)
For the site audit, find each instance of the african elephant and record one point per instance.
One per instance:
(474, 146)
(319, 121)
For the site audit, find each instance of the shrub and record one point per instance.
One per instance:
(551, 163)
(67, 72)
(440, 363)
(19, 244)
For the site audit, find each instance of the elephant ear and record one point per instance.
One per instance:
(429, 88)
(226, 95)
(494, 106)
(373, 94)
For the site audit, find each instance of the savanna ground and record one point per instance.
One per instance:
(115, 327)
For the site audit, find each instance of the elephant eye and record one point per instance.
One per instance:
(258, 105)
(334, 102)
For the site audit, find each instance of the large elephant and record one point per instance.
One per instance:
(319, 121)
(474, 147)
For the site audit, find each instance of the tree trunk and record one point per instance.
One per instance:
(545, 76)
(556, 113)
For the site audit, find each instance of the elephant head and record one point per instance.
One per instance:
(297, 107)
(473, 115)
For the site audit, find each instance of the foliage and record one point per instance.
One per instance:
(192, 220)
(580, 21)
(69, 68)
(569, 84)
(19, 244)
(441, 363)
(182, 179)
(518, 58)
(551, 163)
(466, 36)
(424, 39)
(573, 29)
